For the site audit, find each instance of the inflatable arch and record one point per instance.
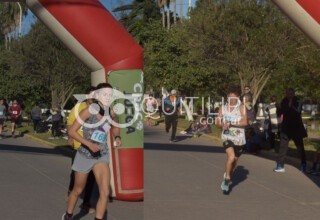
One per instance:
(100, 42)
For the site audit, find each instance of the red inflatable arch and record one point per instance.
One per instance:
(100, 42)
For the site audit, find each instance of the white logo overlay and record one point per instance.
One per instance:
(115, 99)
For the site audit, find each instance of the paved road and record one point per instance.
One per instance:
(182, 182)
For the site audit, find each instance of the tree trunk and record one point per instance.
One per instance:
(163, 18)
(174, 12)
(181, 10)
(168, 17)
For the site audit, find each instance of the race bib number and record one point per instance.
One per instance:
(15, 112)
(99, 136)
(236, 135)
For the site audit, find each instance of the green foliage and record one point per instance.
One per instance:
(39, 68)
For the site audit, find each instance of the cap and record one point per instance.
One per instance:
(173, 92)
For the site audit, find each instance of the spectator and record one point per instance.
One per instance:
(56, 120)
(150, 107)
(316, 161)
(274, 120)
(35, 116)
(292, 128)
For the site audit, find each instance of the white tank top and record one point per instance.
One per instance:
(231, 116)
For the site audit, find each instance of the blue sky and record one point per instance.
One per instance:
(109, 4)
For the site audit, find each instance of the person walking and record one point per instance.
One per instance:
(86, 205)
(15, 112)
(93, 154)
(35, 116)
(171, 110)
(292, 128)
(3, 110)
(232, 118)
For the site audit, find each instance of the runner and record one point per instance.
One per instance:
(150, 107)
(85, 206)
(232, 117)
(2, 115)
(15, 112)
(93, 153)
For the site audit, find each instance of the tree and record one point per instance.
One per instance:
(137, 14)
(9, 19)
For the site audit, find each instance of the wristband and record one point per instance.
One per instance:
(117, 137)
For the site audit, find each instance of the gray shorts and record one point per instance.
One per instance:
(82, 164)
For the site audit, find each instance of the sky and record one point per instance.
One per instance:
(109, 4)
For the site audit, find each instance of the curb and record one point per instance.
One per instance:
(48, 143)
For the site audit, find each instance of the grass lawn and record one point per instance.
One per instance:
(311, 144)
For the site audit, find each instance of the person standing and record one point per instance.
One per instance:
(93, 153)
(171, 110)
(15, 112)
(35, 116)
(150, 107)
(273, 126)
(292, 128)
(232, 118)
(56, 120)
(3, 110)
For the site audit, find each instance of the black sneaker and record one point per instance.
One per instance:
(66, 216)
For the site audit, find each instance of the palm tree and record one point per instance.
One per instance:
(9, 20)
(137, 13)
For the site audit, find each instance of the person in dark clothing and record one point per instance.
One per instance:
(36, 116)
(171, 110)
(56, 119)
(292, 128)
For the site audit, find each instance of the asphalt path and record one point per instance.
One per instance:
(182, 182)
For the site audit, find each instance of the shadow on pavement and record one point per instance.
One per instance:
(179, 147)
(36, 150)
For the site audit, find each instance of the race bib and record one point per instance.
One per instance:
(15, 112)
(99, 136)
(236, 135)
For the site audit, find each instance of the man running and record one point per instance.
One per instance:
(15, 112)
(2, 115)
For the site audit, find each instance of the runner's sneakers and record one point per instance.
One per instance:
(66, 216)
(225, 185)
(279, 169)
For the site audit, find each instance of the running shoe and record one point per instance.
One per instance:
(225, 185)
(65, 217)
(279, 169)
